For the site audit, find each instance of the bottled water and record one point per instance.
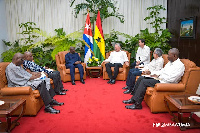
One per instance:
(43, 76)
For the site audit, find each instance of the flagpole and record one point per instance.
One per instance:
(88, 47)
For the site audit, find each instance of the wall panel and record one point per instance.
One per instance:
(180, 9)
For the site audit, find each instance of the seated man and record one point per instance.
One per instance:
(31, 67)
(73, 61)
(17, 76)
(155, 65)
(171, 73)
(142, 55)
(116, 59)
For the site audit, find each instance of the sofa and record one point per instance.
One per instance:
(33, 100)
(189, 83)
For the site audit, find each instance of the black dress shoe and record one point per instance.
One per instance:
(127, 91)
(128, 101)
(126, 87)
(113, 81)
(51, 110)
(134, 106)
(60, 93)
(82, 81)
(73, 82)
(55, 103)
(109, 81)
(64, 90)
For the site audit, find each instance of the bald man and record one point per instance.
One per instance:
(171, 73)
(73, 60)
(17, 76)
(32, 67)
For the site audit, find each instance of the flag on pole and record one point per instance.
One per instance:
(99, 43)
(88, 40)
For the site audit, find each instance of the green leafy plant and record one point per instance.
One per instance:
(29, 36)
(43, 58)
(106, 7)
(160, 38)
(156, 21)
(43, 51)
(60, 32)
(130, 43)
(61, 41)
(63, 45)
(14, 48)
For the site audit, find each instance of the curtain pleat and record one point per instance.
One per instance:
(53, 14)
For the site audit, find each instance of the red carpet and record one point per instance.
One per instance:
(96, 107)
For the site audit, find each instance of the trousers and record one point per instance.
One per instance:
(134, 64)
(72, 70)
(55, 75)
(46, 95)
(116, 69)
(130, 82)
(141, 86)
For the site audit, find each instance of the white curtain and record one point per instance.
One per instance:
(53, 14)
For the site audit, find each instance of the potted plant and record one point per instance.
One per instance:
(93, 62)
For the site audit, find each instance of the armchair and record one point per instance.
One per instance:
(33, 100)
(123, 71)
(189, 83)
(65, 73)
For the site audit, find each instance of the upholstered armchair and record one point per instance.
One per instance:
(33, 100)
(123, 71)
(189, 83)
(65, 73)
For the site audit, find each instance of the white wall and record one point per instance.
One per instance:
(3, 27)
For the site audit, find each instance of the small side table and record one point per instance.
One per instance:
(94, 72)
(7, 109)
(183, 105)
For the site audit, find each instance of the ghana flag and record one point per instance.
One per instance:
(99, 43)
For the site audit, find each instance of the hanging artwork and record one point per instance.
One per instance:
(187, 27)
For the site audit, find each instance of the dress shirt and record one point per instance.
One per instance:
(172, 72)
(72, 58)
(117, 57)
(17, 76)
(34, 67)
(155, 65)
(143, 55)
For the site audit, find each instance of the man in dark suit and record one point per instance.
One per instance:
(73, 61)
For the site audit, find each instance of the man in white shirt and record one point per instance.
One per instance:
(116, 59)
(142, 55)
(155, 65)
(171, 73)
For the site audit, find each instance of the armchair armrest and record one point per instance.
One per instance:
(13, 91)
(169, 87)
(36, 94)
(103, 64)
(125, 66)
(84, 65)
(61, 66)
